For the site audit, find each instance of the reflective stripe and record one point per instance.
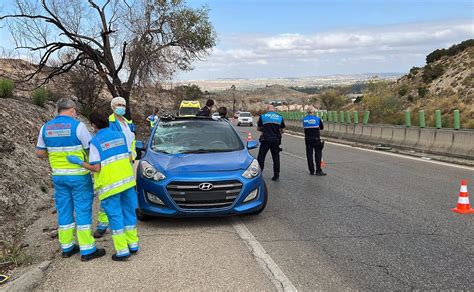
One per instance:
(133, 245)
(311, 127)
(130, 227)
(123, 252)
(117, 232)
(87, 246)
(114, 158)
(65, 149)
(68, 170)
(67, 226)
(68, 245)
(102, 224)
(115, 185)
(83, 227)
(463, 200)
(463, 189)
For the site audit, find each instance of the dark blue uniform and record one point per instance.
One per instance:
(312, 125)
(271, 125)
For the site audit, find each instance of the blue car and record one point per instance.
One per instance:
(195, 166)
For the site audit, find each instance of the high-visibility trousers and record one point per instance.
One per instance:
(120, 210)
(74, 195)
(102, 220)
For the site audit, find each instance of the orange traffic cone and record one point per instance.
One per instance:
(323, 164)
(463, 206)
(249, 136)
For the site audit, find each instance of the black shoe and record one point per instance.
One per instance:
(99, 233)
(133, 252)
(311, 173)
(275, 178)
(100, 252)
(68, 254)
(320, 173)
(120, 259)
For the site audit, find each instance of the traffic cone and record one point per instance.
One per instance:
(323, 164)
(249, 136)
(463, 206)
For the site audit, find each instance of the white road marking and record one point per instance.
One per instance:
(390, 154)
(278, 278)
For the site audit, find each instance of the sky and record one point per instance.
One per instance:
(300, 38)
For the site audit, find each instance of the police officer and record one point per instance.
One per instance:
(73, 193)
(117, 122)
(312, 126)
(271, 125)
(110, 159)
(206, 110)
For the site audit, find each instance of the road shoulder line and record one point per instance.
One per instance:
(276, 275)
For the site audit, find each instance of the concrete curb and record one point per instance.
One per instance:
(29, 280)
(412, 153)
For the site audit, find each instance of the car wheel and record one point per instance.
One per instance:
(143, 217)
(238, 124)
(265, 200)
(251, 125)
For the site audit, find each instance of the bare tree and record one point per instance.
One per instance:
(125, 42)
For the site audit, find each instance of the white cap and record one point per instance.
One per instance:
(117, 100)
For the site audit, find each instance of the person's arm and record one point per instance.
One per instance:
(321, 125)
(83, 135)
(259, 124)
(41, 151)
(282, 126)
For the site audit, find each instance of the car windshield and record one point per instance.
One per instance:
(245, 115)
(195, 136)
(188, 111)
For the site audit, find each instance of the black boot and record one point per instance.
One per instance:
(100, 252)
(99, 233)
(120, 259)
(68, 254)
(276, 177)
(320, 173)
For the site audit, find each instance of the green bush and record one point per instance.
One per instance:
(422, 91)
(432, 72)
(40, 96)
(6, 88)
(403, 90)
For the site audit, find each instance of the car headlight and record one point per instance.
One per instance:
(253, 170)
(253, 194)
(149, 172)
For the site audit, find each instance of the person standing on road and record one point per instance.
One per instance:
(110, 159)
(206, 110)
(271, 125)
(73, 193)
(153, 118)
(312, 125)
(117, 122)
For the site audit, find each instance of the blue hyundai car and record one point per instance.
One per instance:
(194, 166)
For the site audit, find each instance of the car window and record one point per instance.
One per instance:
(195, 136)
(245, 115)
(188, 111)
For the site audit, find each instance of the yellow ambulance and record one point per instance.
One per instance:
(189, 108)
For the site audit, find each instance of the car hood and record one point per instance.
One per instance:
(205, 162)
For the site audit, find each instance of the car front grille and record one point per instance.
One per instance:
(188, 195)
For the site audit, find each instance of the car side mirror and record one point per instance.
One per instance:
(252, 144)
(140, 147)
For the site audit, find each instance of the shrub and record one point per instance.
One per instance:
(422, 91)
(432, 72)
(40, 96)
(403, 90)
(6, 88)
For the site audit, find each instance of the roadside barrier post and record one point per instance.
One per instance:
(348, 117)
(457, 120)
(366, 117)
(422, 118)
(438, 119)
(330, 117)
(356, 117)
(335, 116)
(407, 119)
(341, 118)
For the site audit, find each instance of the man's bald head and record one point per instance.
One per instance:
(270, 108)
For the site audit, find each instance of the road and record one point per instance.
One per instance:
(375, 222)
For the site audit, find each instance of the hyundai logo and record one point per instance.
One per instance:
(206, 186)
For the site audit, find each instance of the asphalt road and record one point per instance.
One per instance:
(376, 222)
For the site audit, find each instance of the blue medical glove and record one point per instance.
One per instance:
(75, 160)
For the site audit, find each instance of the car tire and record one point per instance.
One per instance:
(142, 217)
(238, 124)
(265, 200)
(251, 125)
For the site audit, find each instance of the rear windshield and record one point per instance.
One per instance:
(195, 136)
(188, 111)
(245, 115)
